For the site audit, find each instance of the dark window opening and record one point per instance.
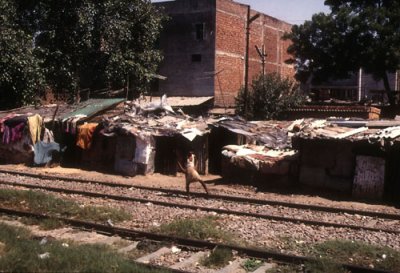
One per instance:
(200, 32)
(196, 58)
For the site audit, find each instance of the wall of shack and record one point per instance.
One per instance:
(327, 164)
(335, 164)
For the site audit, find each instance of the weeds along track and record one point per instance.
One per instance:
(320, 216)
(190, 251)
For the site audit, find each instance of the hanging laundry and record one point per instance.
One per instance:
(3, 119)
(48, 136)
(17, 132)
(13, 134)
(6, 134)
(44, 152)
(69, 124)
(85, 135)
(35, 124)
(14, 121)
(13, 129)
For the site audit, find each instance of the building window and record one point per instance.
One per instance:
(196, 58)
(200, 31)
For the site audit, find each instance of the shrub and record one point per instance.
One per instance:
(269, 97)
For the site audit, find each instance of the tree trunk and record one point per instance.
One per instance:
(389, 92)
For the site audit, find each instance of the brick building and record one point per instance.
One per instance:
(204, 44)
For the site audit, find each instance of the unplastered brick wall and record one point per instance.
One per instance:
(230, 43)
(187, 43)
(214, 65)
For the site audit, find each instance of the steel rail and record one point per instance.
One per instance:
(137, 234)
(207, 209)
(390, 216)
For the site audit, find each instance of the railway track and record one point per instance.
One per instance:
(195, 246)
(236, 199)
(243, 212)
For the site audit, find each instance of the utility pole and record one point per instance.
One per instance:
(263, 55)
(249, 20)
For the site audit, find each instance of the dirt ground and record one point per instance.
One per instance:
(155, 180)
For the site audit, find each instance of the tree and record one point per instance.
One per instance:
(269, 97)
(356, 34)
(94, 44)
(21, 77)
(130, 31)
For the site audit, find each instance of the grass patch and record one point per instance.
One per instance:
(287, 269)
(320, 266)
(23, 255)
(30, 221)
(293, 245)
(331, 254)
(49, 224)
(202, 229)
(323, 266)
(359, 253)
(45, 224)
(219, 257)
(39, 202)
(251, 265)
(317, 267)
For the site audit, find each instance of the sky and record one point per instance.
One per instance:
(291, 11)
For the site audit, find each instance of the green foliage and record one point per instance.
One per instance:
(286, 269)
(319, 266)
(219, 257)
(251, 265)
(201, 229)
(355, 34)
(50, 224)
(359, 253)
(20, 75)
(22, 255)
(96, 44)
(47, 204)
(269, 96)
(71, 45)
(324, 265)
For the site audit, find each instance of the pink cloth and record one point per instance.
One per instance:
(13, 134)
(3, 119)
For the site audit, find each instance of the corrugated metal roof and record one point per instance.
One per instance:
(92, 107)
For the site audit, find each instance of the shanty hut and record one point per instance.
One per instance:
(74, 130)
(142, 138)
(358, 157)
(257, 153)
